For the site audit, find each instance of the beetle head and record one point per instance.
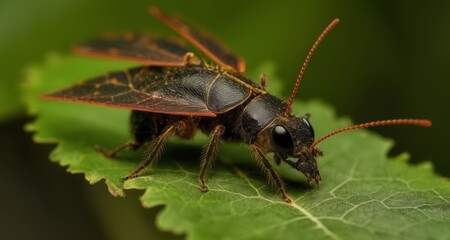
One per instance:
(292, 137)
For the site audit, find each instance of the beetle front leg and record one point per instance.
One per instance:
(271, 174)
(208, 155)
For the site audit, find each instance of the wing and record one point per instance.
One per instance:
(150, 89)
(207, 44)
(137, 48)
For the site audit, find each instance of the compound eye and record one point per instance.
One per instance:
(282, 138)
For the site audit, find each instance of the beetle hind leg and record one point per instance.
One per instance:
(156, 146)
(143, 128)
(154, 130)
(208, 155)
(112, 153)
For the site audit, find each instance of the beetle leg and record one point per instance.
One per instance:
(111, 153)
(208, 155)
(271, 174)
(156, 147)
(263, 81)
(141, 129)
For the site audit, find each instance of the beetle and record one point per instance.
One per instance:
(175, 93)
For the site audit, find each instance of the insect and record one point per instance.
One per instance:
(176, 93)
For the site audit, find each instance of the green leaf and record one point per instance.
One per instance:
(363, 195)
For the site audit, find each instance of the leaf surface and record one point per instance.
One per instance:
(363, 194)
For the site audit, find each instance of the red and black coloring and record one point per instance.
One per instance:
(175, 93)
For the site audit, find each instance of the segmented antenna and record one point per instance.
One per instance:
(418, 122)
(305, 64)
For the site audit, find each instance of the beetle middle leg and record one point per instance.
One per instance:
(208, 155)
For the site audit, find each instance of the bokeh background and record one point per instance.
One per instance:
(386, 59)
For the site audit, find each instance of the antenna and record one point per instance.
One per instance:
(305, 64)
(418, 122)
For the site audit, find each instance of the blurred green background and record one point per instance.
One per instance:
(387, 59)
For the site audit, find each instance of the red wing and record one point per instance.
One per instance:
(210, 46)
(141, 88)
(138, 48)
